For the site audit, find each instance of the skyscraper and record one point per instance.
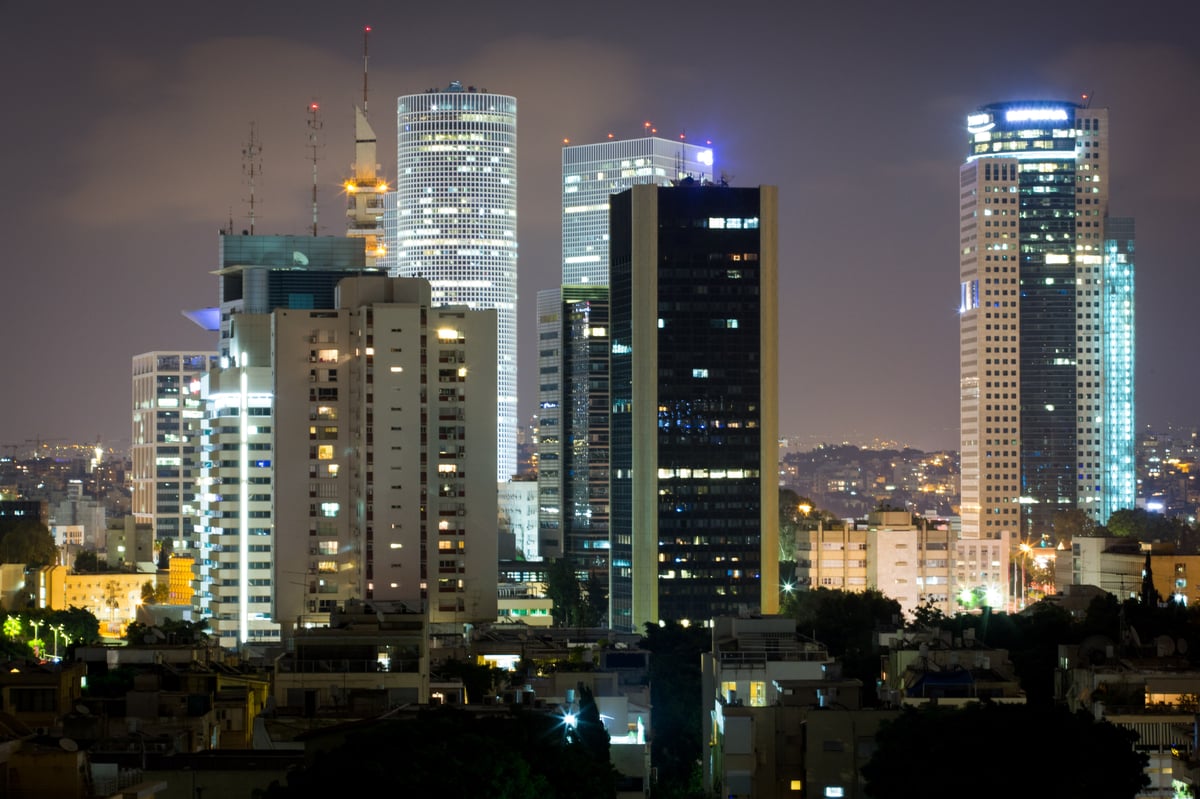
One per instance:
(1046, 321)
(456, 218)
(167, 414)
(573, 340)
(351, 457)
(694, 381)
(573, 441)
(594, 172)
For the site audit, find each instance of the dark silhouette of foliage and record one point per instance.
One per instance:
(478, 679)
(846, 622)
(28, 542)
(576, 603)
(87, 562)
(675, 694)
(453, 752)
(936, 753)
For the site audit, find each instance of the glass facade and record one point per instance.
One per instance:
(594, 172)
(456, 218)
(705, 484)
(1120, 479)
(1046, 353)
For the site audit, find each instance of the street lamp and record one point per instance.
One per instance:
(36, 624)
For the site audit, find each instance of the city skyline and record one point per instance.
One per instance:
(132, 161)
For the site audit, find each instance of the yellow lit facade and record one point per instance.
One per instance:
(112, 597)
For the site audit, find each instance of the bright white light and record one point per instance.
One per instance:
(569, 719)
(1036, 115)
(705, 157)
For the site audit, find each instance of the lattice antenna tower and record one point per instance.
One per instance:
(314, 143)
(251, 170)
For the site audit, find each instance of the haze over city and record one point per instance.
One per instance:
(126, 124)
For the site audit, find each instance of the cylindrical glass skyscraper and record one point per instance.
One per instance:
(456, 223)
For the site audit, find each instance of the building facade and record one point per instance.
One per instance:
(694, 327)
(456, 219)
(1046, 322)
(166, 442)
(573, 442)
(357, 462)
(592, 173)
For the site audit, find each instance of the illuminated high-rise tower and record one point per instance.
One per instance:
(456, 219)
(366, 193)
(694, 519)
(594, 172)
(1046, 322)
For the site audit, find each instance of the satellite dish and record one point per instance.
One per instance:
(83, 710)
(68, 744)
(1181, 646)
(1164, 646)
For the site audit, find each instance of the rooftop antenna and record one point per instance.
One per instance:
(1087, 100)
(251, 169)
(366, 36)
(314, 128)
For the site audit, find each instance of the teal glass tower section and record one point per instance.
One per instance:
(1119, 490)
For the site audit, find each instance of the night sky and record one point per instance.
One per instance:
(124, 125)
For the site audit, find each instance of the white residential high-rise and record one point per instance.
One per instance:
(591, 173)
(352, 458)
(1046, 322)
(456, 219)
(166, 442)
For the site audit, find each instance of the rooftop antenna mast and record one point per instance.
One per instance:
(366, 37)
(251, 169)
(314, 128)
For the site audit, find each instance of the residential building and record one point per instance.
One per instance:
(694, 381)
(907, 561)
(591, 173)
(778, 716)
(334, 487)
(166, 443)
(129, 544)
(456, 223)
(1046, 322)
(78, 519)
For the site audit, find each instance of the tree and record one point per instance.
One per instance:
(155, 593)
(1073, 522)
(846, 623)
(478, 679)
(87, 562)
(1093, 759)
(675, 694)
(27, 542)
(575, 605)
(453, 752)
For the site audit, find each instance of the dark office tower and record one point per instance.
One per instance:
(693, 276)
(1046, 322)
